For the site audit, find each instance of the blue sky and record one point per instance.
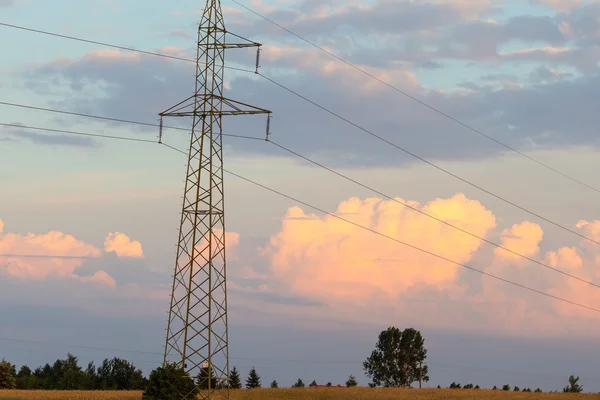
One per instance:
(523, 72)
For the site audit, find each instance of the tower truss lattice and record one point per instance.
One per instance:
(197, 330)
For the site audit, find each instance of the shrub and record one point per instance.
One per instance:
(169, 382)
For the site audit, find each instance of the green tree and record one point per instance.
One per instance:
(573, 387)
(253, 380)
(298, 384)
(538, 390)
(505, 387)
(313, 383)
(69, 373)
(235, 381)
(328, 383)
(169, 383)
(25, 379)
(117, 374)
(7, 378)
(274, 385)
(351, 382)
(203, 378)
(398, 358)
(90, 379)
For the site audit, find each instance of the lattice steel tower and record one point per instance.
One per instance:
(197, 333)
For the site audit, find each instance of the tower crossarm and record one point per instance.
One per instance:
(230, 107)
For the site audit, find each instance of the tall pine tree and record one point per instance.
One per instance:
(7, 379)
(253, 380)
(234, 379)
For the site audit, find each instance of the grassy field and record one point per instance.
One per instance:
(309, 394)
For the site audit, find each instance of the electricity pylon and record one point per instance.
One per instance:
(197, 332)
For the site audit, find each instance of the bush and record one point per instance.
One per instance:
(298, 384)
(169, 383)
(573, 387)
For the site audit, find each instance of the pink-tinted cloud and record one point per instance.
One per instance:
(123, 245)
(354, 270)
(523, 238)
(334, 261)
(34, 246)
(311, 60)
(41, 256)
(101, 277)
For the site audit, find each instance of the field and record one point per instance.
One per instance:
(310, 394)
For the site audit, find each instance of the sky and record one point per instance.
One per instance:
(88, 226)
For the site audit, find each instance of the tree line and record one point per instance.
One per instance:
(573, 387)
(111, 374)
(398, 360)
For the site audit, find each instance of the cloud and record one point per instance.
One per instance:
(514, 110)
(101, 277)
(356, 272)
(523, 238)
(53, 243)
(57, 255)
(123, 245)
(333, 261)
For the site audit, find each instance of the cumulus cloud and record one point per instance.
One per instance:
(523, 238)
(123, 245)
(58, 255)
(332, 260)
(35, 246)
(346, 267)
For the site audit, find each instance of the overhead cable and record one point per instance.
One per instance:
(355, 125)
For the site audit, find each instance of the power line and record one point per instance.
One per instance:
(150, 53)
(542, 264)
(8, 339)
(54, 110)
(362, 129)
(427, 161)
(432, 216)
(402, 242)
(108, 136)
(316, 208)
(413, 246)
(359, 226)
(47, 256)
(77, 133)
(465, 125)
(394, 239)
